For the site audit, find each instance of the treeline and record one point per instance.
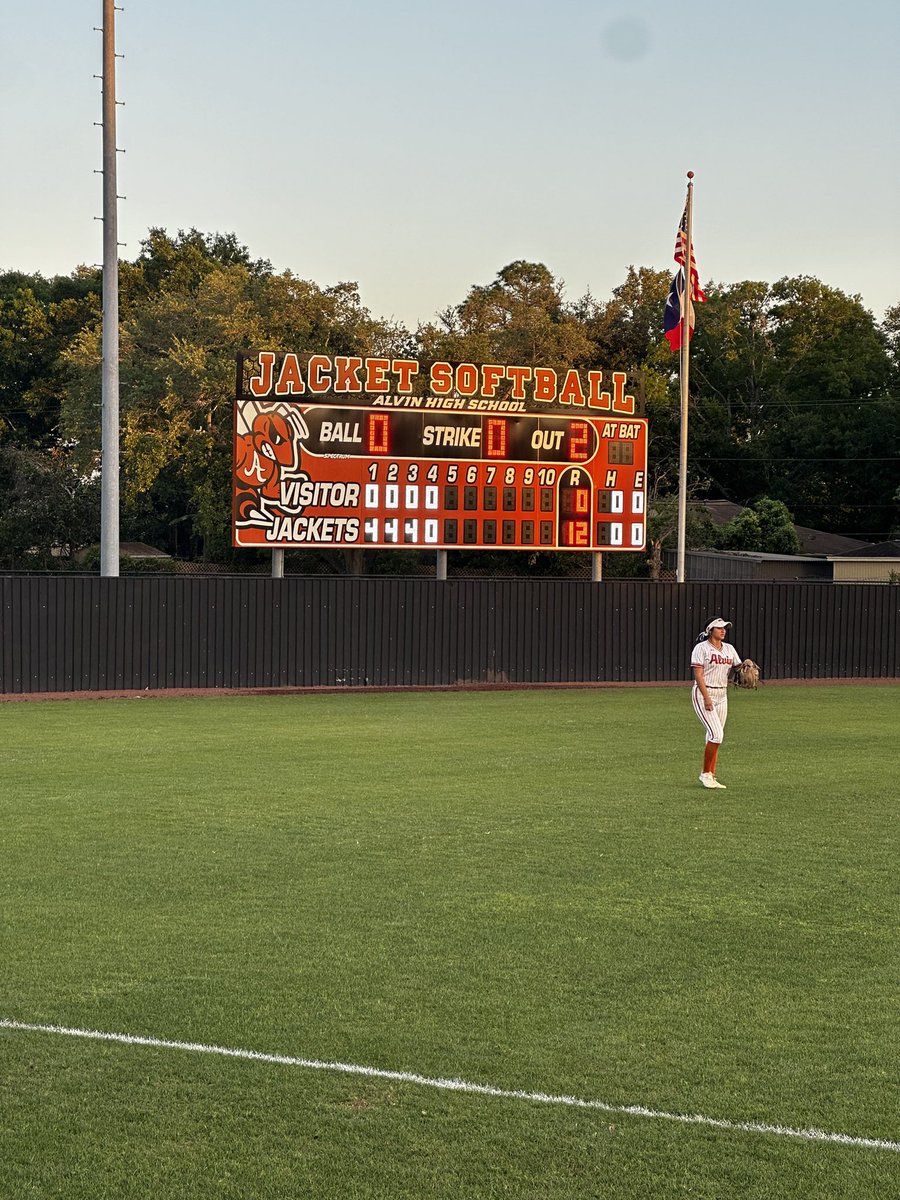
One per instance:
(794, 394)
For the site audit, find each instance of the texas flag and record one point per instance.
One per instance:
(674, 315)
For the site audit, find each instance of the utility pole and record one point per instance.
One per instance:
(109, 388)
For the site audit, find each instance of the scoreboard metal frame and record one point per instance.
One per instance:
(382, 472)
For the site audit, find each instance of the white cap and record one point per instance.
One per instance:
(717, 623)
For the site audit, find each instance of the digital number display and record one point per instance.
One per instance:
(497, 437)
(400, 434)
(378, 435)
(309, 475)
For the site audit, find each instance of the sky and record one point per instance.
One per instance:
(418, 148)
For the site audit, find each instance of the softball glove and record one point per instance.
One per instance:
(746, 675)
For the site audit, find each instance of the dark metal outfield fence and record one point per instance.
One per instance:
(81, 633)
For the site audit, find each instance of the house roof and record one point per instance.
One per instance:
(878, 550)
(141, 550)
(812, 541)
(816, 541)
(757, 555)
(722, 511)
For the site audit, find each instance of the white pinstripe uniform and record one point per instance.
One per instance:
(716, 665)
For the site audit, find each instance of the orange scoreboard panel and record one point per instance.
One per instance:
(308, 475)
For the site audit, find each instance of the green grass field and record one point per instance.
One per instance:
(528, 890)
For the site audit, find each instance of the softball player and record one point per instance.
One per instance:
(711, 661)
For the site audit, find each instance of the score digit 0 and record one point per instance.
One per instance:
(496, 437)
(378, 435)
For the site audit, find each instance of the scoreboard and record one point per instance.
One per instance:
(402, 470)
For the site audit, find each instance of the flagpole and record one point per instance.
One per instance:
(684, 368)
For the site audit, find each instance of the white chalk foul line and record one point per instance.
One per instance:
(461, 1085)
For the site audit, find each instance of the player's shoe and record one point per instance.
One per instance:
(716, 783)
(708, 781)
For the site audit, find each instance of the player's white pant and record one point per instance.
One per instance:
(714, 721)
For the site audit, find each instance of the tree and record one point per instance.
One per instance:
(37, 319)
(891, 329)
(626, 330)
(778, 534)
(49, 510)
(662, 529)
(179, 264)
(187, 315)
(766, 525)
(791, 399)
(520, 318)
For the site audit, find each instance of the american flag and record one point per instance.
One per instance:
(680, 247)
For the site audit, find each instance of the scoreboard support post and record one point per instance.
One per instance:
(597, 567)
(440, 565)
(278, 564)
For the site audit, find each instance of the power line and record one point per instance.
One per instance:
(755, 461)
(758, 407)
